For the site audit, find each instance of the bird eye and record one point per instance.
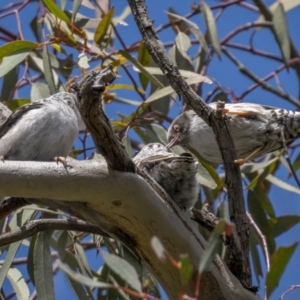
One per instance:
(176, 127)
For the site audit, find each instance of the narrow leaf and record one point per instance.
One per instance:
(158, 248)
(281, 32)
(260, 219)
(141, 68)
(183, 42)
(282, 184)
(126, 142)
(212, 172)
(76, 5)
(16, 46)
(48, 71)
(144, 59)
(279, 262)
(11, 61)
(83, 61)
(103, 26)
(211, 27)
(39, 91)
(184, 73)
(56, 11)
(194, 29)
(121, 267)
(43, 274)
(169, 90)
(83, 279)
(19, 284)
(156, 133)
(11, 252)
(213, 246)
(9, 84)
(284, 223)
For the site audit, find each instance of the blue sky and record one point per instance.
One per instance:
(227, 75)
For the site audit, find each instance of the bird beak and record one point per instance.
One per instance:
(173, 141)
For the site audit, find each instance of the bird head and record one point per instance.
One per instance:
(179, 131)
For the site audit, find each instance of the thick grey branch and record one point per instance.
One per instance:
(128, 209)
(36, 226)
(220, 128)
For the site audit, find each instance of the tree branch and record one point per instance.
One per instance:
(220, 128)
(89, 92)
(36, 226)
(132, 213)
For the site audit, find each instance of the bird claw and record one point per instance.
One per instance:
(61, 159)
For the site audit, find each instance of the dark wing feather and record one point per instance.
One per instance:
(17, 115)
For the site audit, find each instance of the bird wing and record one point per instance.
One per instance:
(17, 115)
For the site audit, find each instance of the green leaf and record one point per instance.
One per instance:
(82, 260)
(76, 5)
(156, 133)
(213, 245)
(126, 142)
(30, 258)
(282, 224)
(121, 267)
(12, 250)
(17, 46)
(211, 28)
(48, 73)
(141, 68)
(282, 184)
(201, 39)
(83, 279)
(144, 58)
(39, 91)
(9, 84)
(184, 73)
(174, 17)
(11, 61)
(185, 270)
(204, 178)
(103, 26)
(255, 255)
(158, 248)
(183, 42)
(281, 33)
(19, 284)
(56, 11)
(169, 90)
(83, 61)
(181, 59)
(43, 274)
(279, 262)
(212, 172)
(260, 219)
(254, 167)
(16, 103)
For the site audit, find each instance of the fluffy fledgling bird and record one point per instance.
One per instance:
(176, 174)
(41, 130)
(256, 130)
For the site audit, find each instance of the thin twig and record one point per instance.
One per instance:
(35, 226)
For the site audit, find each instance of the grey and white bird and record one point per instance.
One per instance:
(176, 174)
(256, 130)
(41, 130)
